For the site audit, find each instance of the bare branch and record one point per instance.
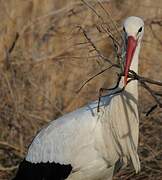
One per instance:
(109, 16)
(151, 92)
(94, 77)
(144, 81)
(13, 43)
(151, 109)
(9, 51)
(94, 46)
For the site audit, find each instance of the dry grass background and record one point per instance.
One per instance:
(51, 60)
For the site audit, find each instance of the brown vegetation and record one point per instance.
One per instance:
(45, 58)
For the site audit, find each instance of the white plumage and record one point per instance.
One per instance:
(93, 142)
(85, 138)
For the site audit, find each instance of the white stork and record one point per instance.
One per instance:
(86, 144)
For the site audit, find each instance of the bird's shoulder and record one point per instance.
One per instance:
(84, 116)
(75, 123)
(64, 134)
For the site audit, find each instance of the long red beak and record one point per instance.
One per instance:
(131, 46)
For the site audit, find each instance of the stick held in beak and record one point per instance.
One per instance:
(131, 46)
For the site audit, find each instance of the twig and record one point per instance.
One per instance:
(109, 94)
(115, 92)
(151, 109)
(13, 43)
(94, 77)
(101, 90)
(144, 79)
(9, 51)
(89, 6)
(94, 47)
(107, 30)
(109, 16)
(159, 22)
(151, 92)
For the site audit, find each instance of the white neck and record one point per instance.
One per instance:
(121, 121)
(134, 65)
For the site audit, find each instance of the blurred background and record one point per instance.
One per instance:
(45, 58)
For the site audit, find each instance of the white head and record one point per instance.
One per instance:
(133, 28)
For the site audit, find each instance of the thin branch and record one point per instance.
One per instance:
(144, 79)
(13, 43)
(110, 17)
(110, 89)
(91, 7)
(9, 51)
(107, 30)
(144, 82)
(94, 46)
(151, 109)
(94, 77)
(115, 92)
(151, 93)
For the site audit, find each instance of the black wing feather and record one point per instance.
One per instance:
(42, 171)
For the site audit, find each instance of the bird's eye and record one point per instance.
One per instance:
(140, 29)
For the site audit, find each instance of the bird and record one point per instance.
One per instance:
(86, 144)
